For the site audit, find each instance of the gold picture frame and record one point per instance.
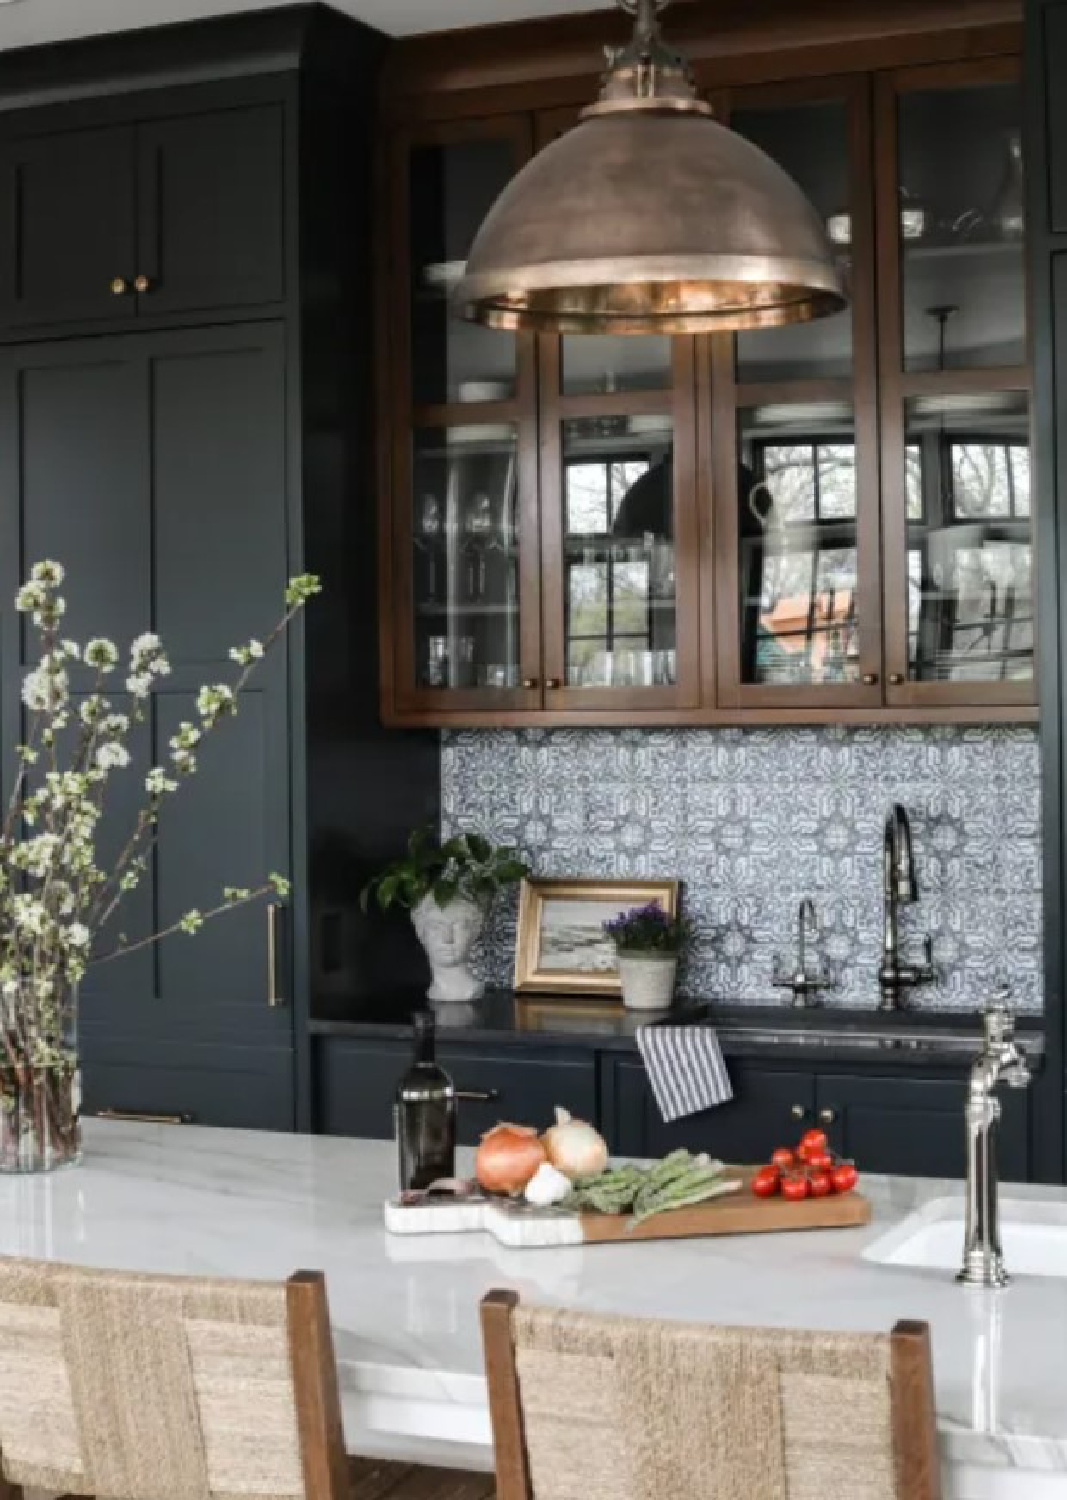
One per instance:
(578, 959)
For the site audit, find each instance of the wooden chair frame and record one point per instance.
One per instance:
(915, 1447)
(315, 1388)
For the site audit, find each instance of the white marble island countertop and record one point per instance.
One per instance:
(405, 1310)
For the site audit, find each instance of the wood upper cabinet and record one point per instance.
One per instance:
(465, 634)
(955, 386)
(170, 216)
(829, 519)
(790, 428)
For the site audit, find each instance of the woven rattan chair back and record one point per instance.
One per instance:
(605, 1408)
(135, 1387)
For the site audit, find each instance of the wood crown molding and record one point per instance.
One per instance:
(734, 41)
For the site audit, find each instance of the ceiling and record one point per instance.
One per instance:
(24, 22)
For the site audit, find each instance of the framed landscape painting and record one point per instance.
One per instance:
(562, 948)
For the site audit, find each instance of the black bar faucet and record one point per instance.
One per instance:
(899, 888)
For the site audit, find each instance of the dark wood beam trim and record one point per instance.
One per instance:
(549, 63)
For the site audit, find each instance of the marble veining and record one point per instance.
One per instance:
(752, 820)
(404, 1308)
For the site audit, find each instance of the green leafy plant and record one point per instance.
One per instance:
(466, 866)
(648, 929)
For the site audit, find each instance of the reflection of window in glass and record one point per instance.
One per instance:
(807, 565)
(614, 582)
(913, 481)
(810, 481)
(596, 490)
(989, 479)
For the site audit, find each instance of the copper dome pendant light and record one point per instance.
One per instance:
(650, 217)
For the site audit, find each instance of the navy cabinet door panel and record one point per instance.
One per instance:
(240, 1087)
(212, 210)
(357, 1079)
(915, 1127)
(769, 1108)
(68, 227)
(153, 466)
(81, 431)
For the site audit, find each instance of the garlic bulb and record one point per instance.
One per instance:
(547, 1186)
(575, 1148)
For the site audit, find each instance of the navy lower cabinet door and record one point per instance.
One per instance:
(915, 1126)
(154, 467)
(769, 1108)
(356, 1080)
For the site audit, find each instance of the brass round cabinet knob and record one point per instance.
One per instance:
(896, 679)
(870, 679)
(798, 1112)
(553, 684)
(827, 1116)
(143, 284)
(120, 286)
(529, 683)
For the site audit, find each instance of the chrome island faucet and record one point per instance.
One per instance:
(1001, 1060)
(899, 888)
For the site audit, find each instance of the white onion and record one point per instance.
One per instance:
(575, 1148)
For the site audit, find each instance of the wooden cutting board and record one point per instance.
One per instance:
(524, 1228)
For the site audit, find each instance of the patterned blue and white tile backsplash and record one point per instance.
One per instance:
(753, 820)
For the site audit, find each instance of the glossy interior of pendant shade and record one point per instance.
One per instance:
(639, 222)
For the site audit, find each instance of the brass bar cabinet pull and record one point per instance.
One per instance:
(140, 1117)
(478, 1096)
(274, 996)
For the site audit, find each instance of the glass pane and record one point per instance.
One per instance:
(452, 189)
(615, 362)
(961, 228)
(970, 586)
(798, 564)
(618, 524)
(810, 141)
(465, 564)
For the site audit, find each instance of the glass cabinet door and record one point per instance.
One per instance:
(619, 528)
(464, 470)
(955, 387)
(793, 440)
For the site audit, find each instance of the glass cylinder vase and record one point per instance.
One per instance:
(40, 1083)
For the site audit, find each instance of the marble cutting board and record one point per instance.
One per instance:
(523, 1228)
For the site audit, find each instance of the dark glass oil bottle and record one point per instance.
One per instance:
(425, 1113)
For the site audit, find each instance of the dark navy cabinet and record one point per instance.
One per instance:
(357, 1079)
(186, 420)
(120, 221)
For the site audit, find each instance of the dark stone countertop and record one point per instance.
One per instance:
(828, 1034)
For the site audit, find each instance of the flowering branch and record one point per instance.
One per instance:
(54, 896)
(192, 921)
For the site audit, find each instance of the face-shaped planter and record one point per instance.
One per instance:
(448, 934)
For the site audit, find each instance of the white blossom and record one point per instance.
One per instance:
(158, 783)
(139, 684)
(78, 935)
(49, 573)
(112, 756)
(102, 654)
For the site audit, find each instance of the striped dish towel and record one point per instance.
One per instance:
(685, 1068)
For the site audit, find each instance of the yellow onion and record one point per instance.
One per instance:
(575, 1148)
(507, 1158)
